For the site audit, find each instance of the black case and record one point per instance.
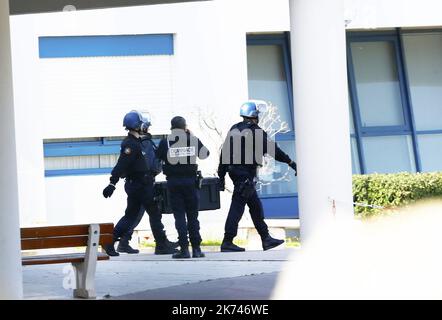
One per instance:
(209, 195)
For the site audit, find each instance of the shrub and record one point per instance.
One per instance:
(393, 190)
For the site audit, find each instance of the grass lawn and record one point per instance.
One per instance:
(290, 243)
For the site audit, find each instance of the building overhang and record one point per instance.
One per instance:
(41, 6)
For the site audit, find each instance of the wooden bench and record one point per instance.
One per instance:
(89, 236)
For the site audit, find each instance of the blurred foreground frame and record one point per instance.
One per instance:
(387, 257)
(32, 6)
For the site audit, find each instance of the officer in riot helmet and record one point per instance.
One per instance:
(136, 166)
(242, 153)
(179, 151)
(162, 244)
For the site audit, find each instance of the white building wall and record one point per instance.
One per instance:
(29, 128)
(88, 94)
(369, 14)
(208, 76)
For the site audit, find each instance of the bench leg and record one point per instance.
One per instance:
(85, 281)
(85, 271)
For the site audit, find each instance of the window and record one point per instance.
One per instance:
(279, 178)
(383, 138)
(269, 79)
(355, 165)
(387, 154)
(103, 77)
(423, 56)
(377, 83)
(80, 156)
(430, 147)
(395, 81)
(105, 46)
(67, 157)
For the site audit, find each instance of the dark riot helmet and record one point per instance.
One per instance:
(137, 121)
(178, 123)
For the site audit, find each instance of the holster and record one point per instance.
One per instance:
(246, 188)
(199, 180)
(145, 179)
(157, 194)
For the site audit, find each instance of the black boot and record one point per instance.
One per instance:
(182, 254)
(110, 250)
(166, 247)
(197, 253)
(172, 244)
(229, 246)
(124, 247)
(270, 243)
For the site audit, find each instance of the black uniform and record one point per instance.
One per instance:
(148, 149)
(132, 165)
(179, 151)
(237, 160)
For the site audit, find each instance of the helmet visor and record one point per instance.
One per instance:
(146, 118)
(261, 107)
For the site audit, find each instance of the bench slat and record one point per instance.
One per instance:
(60, 258)
(60, 231)
(61, 242)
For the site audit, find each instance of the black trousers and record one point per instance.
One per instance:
(237, 207)
(184, 199)
(155, 222)
(139, 197)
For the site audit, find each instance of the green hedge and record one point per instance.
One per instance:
(393, 190)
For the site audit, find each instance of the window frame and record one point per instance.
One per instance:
(282, 205)
(122, 45)
(103, 146)
(283, 41)
(352, 79)
(402, 32)
(80, 148)
(395, 37)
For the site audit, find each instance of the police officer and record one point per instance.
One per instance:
(242, 153)
(162, 244)
(132, 165)
(179, 151)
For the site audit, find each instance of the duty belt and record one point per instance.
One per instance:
(242, 170)
(141, 178)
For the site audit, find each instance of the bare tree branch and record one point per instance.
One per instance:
(270, 121)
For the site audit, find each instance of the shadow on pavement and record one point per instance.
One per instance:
(254, 287)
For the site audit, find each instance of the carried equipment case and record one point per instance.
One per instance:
(209, 195)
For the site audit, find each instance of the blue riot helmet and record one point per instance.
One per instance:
(252, 108)
(136, 121)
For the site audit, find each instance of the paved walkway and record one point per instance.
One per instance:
(248, 275)
(254, 287)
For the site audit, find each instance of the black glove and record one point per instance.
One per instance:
(222, 184)
(294, 167)
(107, 192)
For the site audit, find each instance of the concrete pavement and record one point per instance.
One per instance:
(146, 276)
(253, 287)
